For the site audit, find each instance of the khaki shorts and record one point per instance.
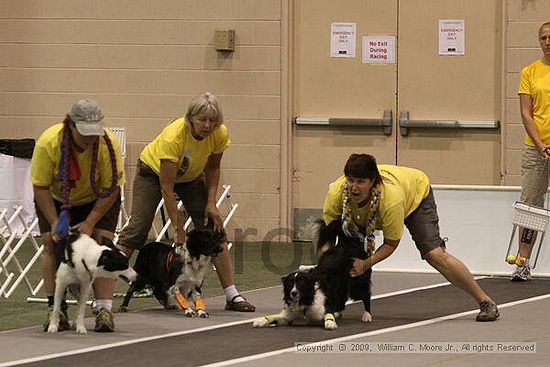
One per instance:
(534, 177)
(79, 213)
(145, 198)
(423, 225)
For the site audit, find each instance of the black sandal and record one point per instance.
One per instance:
(242, 306)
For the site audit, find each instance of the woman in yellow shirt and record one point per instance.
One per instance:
(76, 172)
(184, 159)
(388, 197)
(534, 99)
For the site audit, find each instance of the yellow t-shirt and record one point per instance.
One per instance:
(177, 144)
(535, 82)
(402, 191)
(47, 157)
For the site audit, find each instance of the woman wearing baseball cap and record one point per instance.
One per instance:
(76, 172)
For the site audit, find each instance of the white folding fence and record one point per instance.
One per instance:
(123, 217)
(232, 207)
(16, 233)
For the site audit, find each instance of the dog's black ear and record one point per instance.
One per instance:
(204, 241)
(220, 236)
(107, 242)
(193, 244)
(288, 284)
(113, 260)
(74, 234)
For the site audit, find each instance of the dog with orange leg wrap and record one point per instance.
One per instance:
(177, 276)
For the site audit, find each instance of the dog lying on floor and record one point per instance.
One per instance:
(319, 296)
(82, 260)
(176, 278)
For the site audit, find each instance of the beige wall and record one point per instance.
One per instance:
(523, 20)
(143, 60)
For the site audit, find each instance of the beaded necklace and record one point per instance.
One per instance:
(348, 225)
(63, 223)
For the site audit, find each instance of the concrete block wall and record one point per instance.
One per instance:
(143, 61)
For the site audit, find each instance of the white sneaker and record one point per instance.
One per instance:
(521, 274)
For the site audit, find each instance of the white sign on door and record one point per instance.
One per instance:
(342, 39)
(451, 37)
(378, 50)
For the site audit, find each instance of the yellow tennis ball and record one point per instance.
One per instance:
(520, 261)
(511, 259)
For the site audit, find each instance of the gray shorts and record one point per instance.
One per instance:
(423, 225)
(534, 177)
(145, 198)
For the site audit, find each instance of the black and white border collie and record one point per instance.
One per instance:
(177, 276)
(318, 296)
(82, 260)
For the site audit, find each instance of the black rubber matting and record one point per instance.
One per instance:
(242, 340)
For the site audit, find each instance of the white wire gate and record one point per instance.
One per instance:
(14, 269)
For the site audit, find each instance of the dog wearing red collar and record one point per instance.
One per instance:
(176, 274)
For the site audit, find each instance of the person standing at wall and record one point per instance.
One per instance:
(76, 173)
(184, 159)
(534, 99)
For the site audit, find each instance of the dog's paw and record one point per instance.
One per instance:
(260, 322)
(53, 328)
(81, 329)
(203, 314)
(189, 312)
(123, 309)
(330, 325)
(367, 317)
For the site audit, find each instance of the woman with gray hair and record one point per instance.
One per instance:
(184, 159)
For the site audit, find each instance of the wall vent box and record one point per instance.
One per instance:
(224, 39)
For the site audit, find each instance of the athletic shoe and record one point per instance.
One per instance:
(63, 319)
(521, 274)
(94, 308)
(488, 311)
(104, 322)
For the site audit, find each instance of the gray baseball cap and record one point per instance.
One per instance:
(86, 115)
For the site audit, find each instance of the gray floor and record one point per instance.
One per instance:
(136, 333)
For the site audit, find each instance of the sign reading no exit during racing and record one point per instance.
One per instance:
(378, 50)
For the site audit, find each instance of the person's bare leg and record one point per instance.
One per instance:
(456, 272)
(224, 267)
(527, 239)
(48, 263)
(104, 288)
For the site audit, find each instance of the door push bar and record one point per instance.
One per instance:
(386, 121)
(405, 124)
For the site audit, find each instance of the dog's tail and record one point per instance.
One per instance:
(323, 235)
(316, 229)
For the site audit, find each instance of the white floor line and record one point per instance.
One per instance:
(185, 332)
(410, 290)
(370, 333)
